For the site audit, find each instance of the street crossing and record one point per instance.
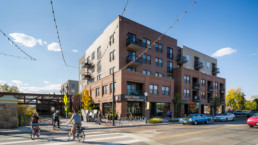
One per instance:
(99, 137)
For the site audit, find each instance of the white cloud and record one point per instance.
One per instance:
(45, 42)
(40, 42)
(53, 47)
(224, 51)
(46, 82)
(17, 82)
(50, 88)
(24, 39)
(75, 51)
(2, 82)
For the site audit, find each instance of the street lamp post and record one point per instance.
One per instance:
(146, 94)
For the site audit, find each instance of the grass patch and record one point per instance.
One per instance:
(155, 120)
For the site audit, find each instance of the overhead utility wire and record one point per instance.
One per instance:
(12, 42)
(10, 55)
(125, 7)
(58, 36)
(158, 39)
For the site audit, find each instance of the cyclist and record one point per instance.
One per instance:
(56, 118)
(76, 118)
(35, 122)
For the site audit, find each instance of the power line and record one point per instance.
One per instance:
(125, 7)
(58, 36)
(158, 39)
(12, 42)
(10, 55)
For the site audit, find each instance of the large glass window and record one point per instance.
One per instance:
(111, 88)
(112, 56)
(160, 48)
(167, 91)
(208, 65)
(151, 89)
(144, 58)
(160, 62)
(93, 55)
(149, 44)
(99, 77)
(203, 83)
(156, 61)
(148, 59)
(144, 42)
(131, 69)
(203, 62)
(155, 89)
(148, 72)
(187, 79)
(132, 54)
(104, 89)
(99, 66)
(144, 72)
(157, 47)
(97, 92)
(186, 92)
(99, 52)
(188, 58)
(131, 37)
(169, 66)
(135, 108)
(131, 88)
(169, 53)
(163, 90)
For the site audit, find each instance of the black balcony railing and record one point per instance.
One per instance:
(196, 98)
(222, 91)
(133, 59)
(196, 86)
(86, 76)
(198, 65)
(134, 43)
(135, 92)
(181, 59)
(210, 88)
(86, 64)
(215, 70)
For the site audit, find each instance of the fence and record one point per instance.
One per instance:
(24, 119)
(127, 121)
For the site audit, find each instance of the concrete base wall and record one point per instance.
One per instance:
(8, 115)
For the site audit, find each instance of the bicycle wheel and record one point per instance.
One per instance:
(81, 136)
(70, 136)
(32, 134)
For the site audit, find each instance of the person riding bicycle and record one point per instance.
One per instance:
(76, 118)
(35, 122)
(56, 119)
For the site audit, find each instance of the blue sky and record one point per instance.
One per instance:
(208, 27)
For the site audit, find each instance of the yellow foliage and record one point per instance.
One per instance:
(86, 100)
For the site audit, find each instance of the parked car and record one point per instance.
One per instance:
(224, 117)
(251, 113)
(195, 119)
(253, 121)
(238, 112)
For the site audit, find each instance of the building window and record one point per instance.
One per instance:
(160, 75)
(99, 77)
(216, 95)
(160, 48)
(203, 94)
(186, 92)
(169, 53)
(99, 52)
(112, 56)
(144, 72)
(97, 92)
(104, 89)
(203, 62)
(131, 69)
(167, 91)
(144, 43)
(130, 89)
(156, 61)
(149, 44)
(148, 59)
(160, 62)
(151, 89)
(111, 88)
(112, 39)
(156, 74)
(93, 55)
(99, 66)
(112, 70)
(144, 58)
(208, 65)
(148, 72)
(88, 59)
(157, 47)
(163, 90)
(203, 83)
(169, 67)
(155, 89)
(188, 58)
(187, 79)
(216, 85)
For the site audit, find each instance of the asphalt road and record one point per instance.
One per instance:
(224, 133)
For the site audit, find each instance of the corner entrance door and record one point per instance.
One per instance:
(202, 109)
(186, 109)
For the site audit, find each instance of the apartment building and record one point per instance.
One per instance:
(197, 82)
(157, 73)
(70, 87)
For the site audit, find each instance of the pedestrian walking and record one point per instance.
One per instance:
(99, 117)
(131, 116)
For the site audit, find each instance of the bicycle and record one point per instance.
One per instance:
(78, 133)
(34, 131)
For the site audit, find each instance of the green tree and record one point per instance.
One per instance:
(248, 105)
(254, 105)
(216, 103)
(9, 89)
(235, 98)
(177, 104)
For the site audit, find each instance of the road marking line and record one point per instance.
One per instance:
(14, 138)
(145, 140)
(86, 136)
(123, 142)
(104, 138)
(58, 143)
(15, 142)
(186, 133)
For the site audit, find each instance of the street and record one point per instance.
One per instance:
(232, 132)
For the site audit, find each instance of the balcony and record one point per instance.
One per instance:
(181, 60)
(133, 62)
(196, 99)
(215, 70)
(222, 100)
(169, 70)
(86, 76)
(210, 88)
(198, 65)
(222, 91)
(134, 44)
(196, 86)
(210, 100)
(86, 64)
(136, 93)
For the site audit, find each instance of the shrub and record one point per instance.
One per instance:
(175, 120)
(155, 120)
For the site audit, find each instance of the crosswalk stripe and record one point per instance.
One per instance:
(104, 138)
(15, 142)
(90, 135)
(59, 143)
(126, 141)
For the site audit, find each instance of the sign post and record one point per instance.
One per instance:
(146, 106)
(65, 107)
